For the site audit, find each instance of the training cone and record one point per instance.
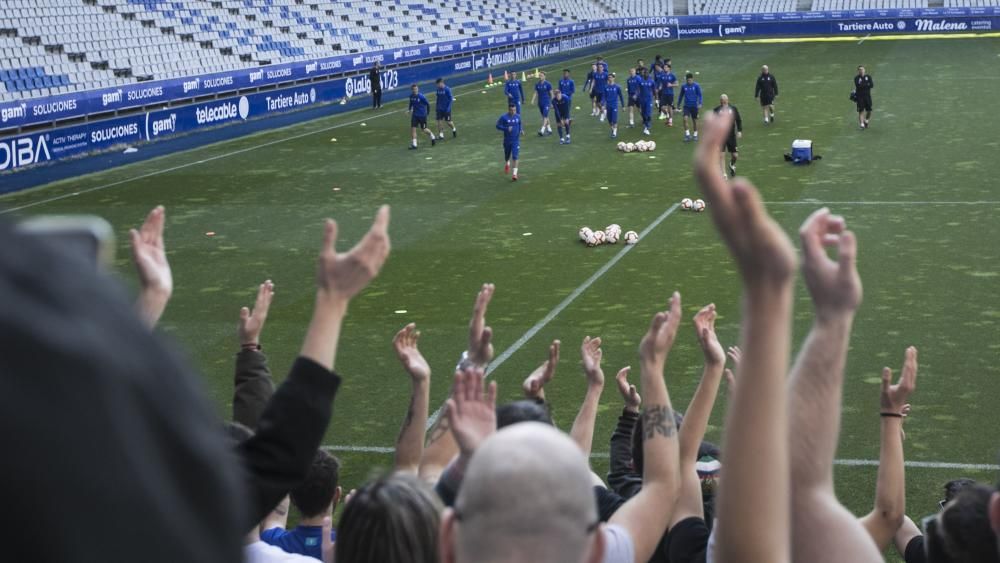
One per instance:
(536, 73)
(524, 77)
(489, 80)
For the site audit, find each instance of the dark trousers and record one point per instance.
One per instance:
(376, 99)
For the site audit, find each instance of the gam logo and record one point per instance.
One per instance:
(311, 68)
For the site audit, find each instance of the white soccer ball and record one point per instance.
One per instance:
(599, 237)
(686, 204)
(591, 240)
(613, 227)
(641, 146)
(611, 237)
(630, 147)
(621, 146)
(652, 145)
(585, 233)
(698, 205)
(631, 237)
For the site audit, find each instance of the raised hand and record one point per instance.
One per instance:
(252, 321)
(835, 286)
(736, 355)
(629, 393)
(894, 397)
(150, 259)
(704, 327)
(471, 410)
(342, 276)
(534, 384)
(762, 250)
(405, 344)
(592, 354)
(661, 334)
(480, 336)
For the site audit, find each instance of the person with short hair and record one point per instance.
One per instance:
(443, 105)
(863, 85)
(566, 85)
(543, 94)
(632, 91)
(561, 107)
(767, 91)
(690, 98)
(510, 124)
(514, 91)
(315, 498)
(598, 89)
(418, 110)
(612, 97)
(667, 93)
(735, 134)
(646, 97)
(374, 76)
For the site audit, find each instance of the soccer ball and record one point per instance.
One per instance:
(630, 147)
(591, 240)
(613, 227)
(599, 237)
(585, 233)
(651, 145)
(698, 205)
(631, 237)
(611, 233)
(641, 146)
(687, 204)
(621, 146)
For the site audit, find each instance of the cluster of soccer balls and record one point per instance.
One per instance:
(697, 205)
(609, 235)
(640, 146)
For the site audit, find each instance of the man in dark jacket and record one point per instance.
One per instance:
(374, 76)
(767, 91)
(731, 146)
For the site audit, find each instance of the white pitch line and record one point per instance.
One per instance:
(843, 462)
(255, 147)
(563, 304)
(863, 38)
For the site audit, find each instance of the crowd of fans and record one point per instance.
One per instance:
(112, 453)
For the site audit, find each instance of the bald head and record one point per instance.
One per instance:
(764, 69)
(526, 497)
(724, 100)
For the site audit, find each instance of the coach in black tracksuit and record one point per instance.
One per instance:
(863, 85)
(735, 133)
(373, 77)
(767, 91)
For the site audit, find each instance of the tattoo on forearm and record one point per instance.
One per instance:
(657, 420)
(440, 428)
(406, 422)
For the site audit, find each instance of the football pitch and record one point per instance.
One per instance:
(919, 188)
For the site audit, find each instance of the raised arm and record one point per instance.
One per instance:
(156, 282)
(441, 447)
(647, 514)
(753, 523)
(822, 529)
(689, 502)
(583, 427)
(884, 520)
(534, 385)
(252, 382)
(410, 442)
(622, 476)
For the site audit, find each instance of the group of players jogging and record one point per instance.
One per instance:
(648, 90)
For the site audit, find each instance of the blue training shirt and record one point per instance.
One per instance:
(419, 105)
(670, 79)
(646, 88)
(690, 95)
(514, 90)
(568, 87)
(612, 95)
(544, 90)
(600, 80)
(511, 127)
(661, 79)
(444, 99)
(561, 107)
(304, 540)
(632, 84)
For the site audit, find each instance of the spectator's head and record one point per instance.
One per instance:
(318, 493)
(961, 530)
(953, 487)
(522, 411)
(392, 519)
(553, 516)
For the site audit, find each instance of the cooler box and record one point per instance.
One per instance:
(802, 151)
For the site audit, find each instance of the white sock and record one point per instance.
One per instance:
(687, 132)
(515, 171)
(695, 134)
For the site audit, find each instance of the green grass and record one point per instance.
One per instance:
(930, 268)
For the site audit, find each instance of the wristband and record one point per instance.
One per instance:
(250, 346)
(891, 414)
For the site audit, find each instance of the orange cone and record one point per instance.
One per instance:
(489, 80)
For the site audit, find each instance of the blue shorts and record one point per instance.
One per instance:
(544, 109)
(666, 99)
(443, 115)
(418, 122)
(613, 116)
(647, 108)
(511, 151)
(691, 111)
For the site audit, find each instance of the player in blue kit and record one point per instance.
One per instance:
(659, 77)
(510, 124)
(612, 96)
(600, 83)
(543, 93)
(667, 94)
(560, 107)
(443, 102)
(690, 97)
(418, 110)
(514, 91)
(647, 95)
(566, 85)
(632, 90)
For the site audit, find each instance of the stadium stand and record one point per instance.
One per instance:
(634, 8)
(821, 5)
(739, 6)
